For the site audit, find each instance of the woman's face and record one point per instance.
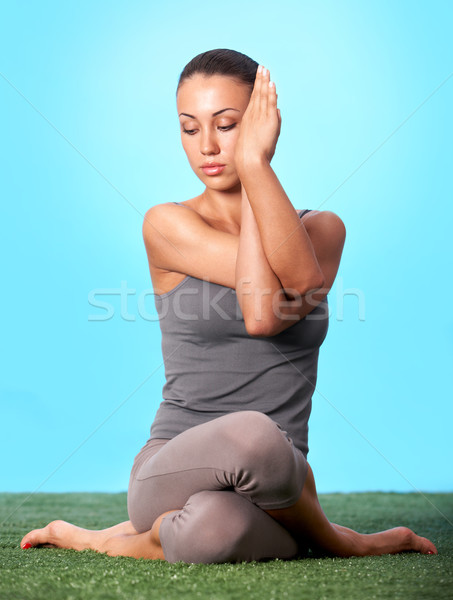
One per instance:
(210, 110)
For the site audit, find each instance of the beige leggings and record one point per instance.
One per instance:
(218, 477)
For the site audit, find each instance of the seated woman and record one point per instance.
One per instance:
(241, 281)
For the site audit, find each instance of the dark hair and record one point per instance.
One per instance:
(221, 62)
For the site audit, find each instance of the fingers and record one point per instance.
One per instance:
(256, 88)
(272, 97)
(264, 91)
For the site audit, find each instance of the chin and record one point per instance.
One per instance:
(220, 183)
(224, 187)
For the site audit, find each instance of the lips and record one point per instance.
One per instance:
(212, 168)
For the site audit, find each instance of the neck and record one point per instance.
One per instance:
(222, 205)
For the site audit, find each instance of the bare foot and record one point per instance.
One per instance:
(393, 541)
(120, 540)
(60, 534)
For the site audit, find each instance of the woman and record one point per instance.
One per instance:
(241, 280)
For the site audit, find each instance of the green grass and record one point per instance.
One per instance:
(51, 574)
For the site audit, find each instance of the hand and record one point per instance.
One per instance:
(260, 124)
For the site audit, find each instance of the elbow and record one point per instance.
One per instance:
(316, 283)
(308, 286)
(259, 329)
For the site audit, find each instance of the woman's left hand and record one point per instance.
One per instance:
(260, 124)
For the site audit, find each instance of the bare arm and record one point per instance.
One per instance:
(286, 244)
(327, 234)
(283, 271)
(256, 282)
(266, 309)
(178, 239)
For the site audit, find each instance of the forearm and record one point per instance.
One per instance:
(285, 241)
(258, 289)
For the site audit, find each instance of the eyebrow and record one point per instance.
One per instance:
(213, 114)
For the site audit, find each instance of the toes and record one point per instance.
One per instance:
(410, 541)
(421, 544)
(41, 537)
(427, 547)
(33, 538)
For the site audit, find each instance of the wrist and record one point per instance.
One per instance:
(251, 165)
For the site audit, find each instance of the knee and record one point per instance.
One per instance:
(272, 470)
(200, 534)
(252, 430)
(259, 440)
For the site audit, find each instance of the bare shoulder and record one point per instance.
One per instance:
(163, 224)
(167, 210)
(327, 221)
(179, 240)
(162, 221)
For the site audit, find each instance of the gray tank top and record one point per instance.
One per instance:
(214, 367)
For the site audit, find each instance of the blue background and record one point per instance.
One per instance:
(90, 140)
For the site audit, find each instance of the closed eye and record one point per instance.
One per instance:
(228, 127)
(225, 128)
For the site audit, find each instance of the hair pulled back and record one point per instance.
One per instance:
(221, 61)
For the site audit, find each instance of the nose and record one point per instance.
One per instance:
(208, 142)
